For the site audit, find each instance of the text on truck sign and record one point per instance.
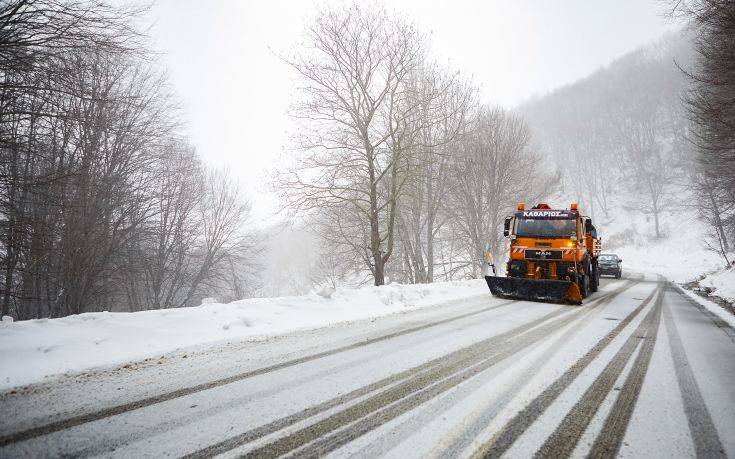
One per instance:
(546, 214)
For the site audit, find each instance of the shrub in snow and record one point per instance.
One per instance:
(7, 319)
(326, 292)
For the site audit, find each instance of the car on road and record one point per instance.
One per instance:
(611, 265)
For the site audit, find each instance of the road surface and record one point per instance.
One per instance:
(638, 371)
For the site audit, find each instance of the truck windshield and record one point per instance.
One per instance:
(529, 227)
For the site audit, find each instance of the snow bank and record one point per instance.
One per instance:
(722, 283)
(680, 256)
(711, 306)
(34, 349)
(676, 259)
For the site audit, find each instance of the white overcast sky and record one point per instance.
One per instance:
(219, 55)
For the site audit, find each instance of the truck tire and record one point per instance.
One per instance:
(595, 279)
(583, 281)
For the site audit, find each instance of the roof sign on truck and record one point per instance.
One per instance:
(546, 214)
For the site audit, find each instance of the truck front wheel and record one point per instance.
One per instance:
(583, 284)
(594, 277)
(583, 280)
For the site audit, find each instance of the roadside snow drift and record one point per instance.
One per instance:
(37, 348)
(722, 283)
(680, 257)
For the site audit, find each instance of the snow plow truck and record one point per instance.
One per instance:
(552, 256)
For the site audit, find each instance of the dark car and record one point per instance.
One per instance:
(610, 265)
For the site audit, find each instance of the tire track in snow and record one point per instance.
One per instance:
(113, 444)
(464, 438)
(562, 442)
(148, 401)
(704, 434)
(515, 427)
(467, 368)
(432, 368)
(371, 422)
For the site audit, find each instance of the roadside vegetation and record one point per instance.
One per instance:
(103, 205)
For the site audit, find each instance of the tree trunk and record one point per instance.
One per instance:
(379, 272)
(724, 245)
(655, 218)
(430, 253)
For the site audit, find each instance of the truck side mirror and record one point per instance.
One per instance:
(506, 227)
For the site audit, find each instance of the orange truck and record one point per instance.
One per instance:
(552, 256)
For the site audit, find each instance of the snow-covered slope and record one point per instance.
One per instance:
(678, 258)
(722, 283)
(36, 348)
(681, 255)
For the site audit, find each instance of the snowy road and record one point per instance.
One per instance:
(639, 370)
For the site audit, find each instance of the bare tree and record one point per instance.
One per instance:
(160, 256)
(357, 122)
(495, 171)
(95, 209)
(712, 112)
(37, 37)
(445, 103)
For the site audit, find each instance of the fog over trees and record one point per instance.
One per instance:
(398, 169)
(619, 136)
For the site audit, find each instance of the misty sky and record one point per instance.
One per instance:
(235, 91)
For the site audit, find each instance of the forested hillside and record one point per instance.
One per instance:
(625, 142)
(619, 136)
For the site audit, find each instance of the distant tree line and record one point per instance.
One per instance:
(103, 205)
(398, 166)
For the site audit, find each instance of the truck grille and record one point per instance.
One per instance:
(543, 254)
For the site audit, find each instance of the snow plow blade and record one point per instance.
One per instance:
(552, 291)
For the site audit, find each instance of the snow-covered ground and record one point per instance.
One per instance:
(722, 283)
(680, 256)
(711, 306)
(34, 349)
(451, 381)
